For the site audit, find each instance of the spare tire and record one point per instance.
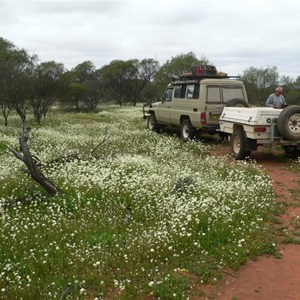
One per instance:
(236, 102)
(288, 123)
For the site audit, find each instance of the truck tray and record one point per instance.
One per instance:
(250, 116)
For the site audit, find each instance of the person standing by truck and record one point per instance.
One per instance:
(276, 99)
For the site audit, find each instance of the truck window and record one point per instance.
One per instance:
(232, 92)
(168, 95)
(213, 94)
(180, 91)
(192, 91)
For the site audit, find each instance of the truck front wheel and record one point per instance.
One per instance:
(152, 123)
(238, 144)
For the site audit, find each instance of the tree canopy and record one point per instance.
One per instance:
(176, 66)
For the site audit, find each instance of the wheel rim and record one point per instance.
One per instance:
(185, 132)
(236, 145)
(151, 123)
(294, 123)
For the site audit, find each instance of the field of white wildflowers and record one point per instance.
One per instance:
(139, 211)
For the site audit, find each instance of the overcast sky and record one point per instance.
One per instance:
(232, 34)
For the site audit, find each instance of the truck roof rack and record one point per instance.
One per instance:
(196, 79)
(199, 72)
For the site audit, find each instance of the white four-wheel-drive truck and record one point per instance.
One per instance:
(194, 102)
(249, 128)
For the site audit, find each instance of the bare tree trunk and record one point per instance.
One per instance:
(32, 168)
(5, 121)
(5, 112)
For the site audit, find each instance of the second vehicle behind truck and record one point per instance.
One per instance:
(252, 127)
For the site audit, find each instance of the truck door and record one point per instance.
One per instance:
(178, 105)
(163, 113)
(213, 104)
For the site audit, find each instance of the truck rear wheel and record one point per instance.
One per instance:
(288, 123)
(187, 131)
(238, 144)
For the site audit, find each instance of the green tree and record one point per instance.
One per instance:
(260, 83)
(291, 90)
(92, 95)
(5, 48)
(142, 75)
(116, 78)
(89, 85)
(84, 71)
(21, 85)
(15, 69)
(150, 93)
(75, 95)
(48, 85)
(175, 67)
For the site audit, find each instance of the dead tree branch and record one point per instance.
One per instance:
(32, 168)
(101, 143)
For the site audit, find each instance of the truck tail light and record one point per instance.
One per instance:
(260, 129)
(203, 118)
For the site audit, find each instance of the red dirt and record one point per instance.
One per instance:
(267, 278)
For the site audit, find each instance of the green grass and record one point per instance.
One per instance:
(123, 229)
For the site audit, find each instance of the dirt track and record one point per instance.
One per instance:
(268, 278)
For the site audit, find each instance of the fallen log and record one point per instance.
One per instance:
(32, 166)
